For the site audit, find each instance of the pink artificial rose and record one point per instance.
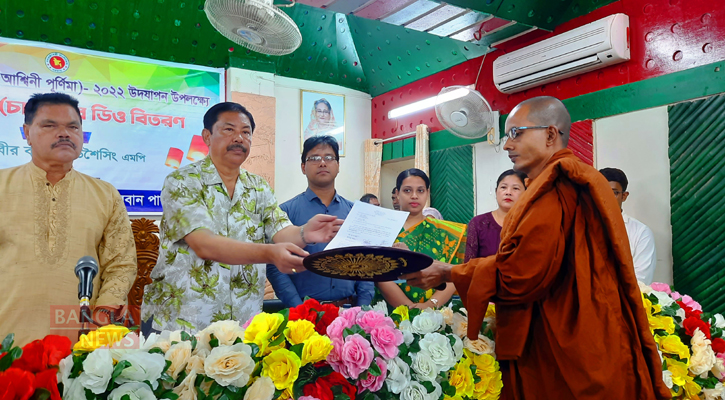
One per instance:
(350, 315)
(334, 358)
(249, 321)
(691, 303)
(675, 296)
(386, 340)
(308, 398)
(372, 319)
(337, 327)
(661, 287)
(356, 355)
(374, 383)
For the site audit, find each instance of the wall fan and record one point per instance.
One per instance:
(465, 113)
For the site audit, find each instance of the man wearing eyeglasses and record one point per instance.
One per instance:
(221, 225)
(641, 238)
(569, 313)
(320, 164)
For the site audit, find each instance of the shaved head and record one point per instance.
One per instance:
(547, 110)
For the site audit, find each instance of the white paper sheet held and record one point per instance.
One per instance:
(369, 225)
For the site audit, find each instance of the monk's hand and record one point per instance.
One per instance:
(106, 315)
(321, 228)
(438, 273)
(287, 257)
(400, 245)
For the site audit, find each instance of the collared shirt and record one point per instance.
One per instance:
(292, 289)
(642, 244)
(45, 230)
(188, 292)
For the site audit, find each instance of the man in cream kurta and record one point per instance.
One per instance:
(53, 215)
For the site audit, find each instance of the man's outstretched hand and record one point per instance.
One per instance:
(322, 228)
(438, 273)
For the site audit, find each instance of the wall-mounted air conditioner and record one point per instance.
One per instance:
(589, 47)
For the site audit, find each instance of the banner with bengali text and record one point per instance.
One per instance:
(142, 119)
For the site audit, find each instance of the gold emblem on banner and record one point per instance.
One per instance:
(358, 265)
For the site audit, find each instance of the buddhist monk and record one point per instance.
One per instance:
(570, 319)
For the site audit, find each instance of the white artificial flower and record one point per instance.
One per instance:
(719, 321)
(186, 389)
(667, 378)
(74, 390)
(447, 313)
(717, 393)
(663, 298)
(407, 330)
(134, 342)
(226, 332)
(230, 365)
(64, 368)
(424, 367)
(436, 393)
(414, 391)
(262, 389)
(427, 321)
(483, 345)
(398, 375)
(134, 391)
(439, 348)
(97, 371)
(163, 340)
(490, 324)
(703, 358)
(381, 306)
(144, 367)
(179, 355)
(460, 325)
(196, 362)
(644, 288)
(719, 369)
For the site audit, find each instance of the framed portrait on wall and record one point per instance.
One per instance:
(323, 114)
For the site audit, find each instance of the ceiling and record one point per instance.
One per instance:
(369, 45)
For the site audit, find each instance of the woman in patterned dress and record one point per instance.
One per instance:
(443, 240)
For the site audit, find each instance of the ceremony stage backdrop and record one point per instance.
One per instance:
(141, 119)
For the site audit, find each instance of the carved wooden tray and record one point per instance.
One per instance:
(378, 264)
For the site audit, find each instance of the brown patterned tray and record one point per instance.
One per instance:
(378, 264)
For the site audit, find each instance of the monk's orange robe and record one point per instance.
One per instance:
(569, 311)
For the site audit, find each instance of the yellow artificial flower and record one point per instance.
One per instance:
(491, 311)
(283, 367)
(286, 395)
(661, 322)
(692, 389)
(672, 344)
(490, 385)
(102, 336)
(461, 378)
(678, 370)
(298, 331)
(402, 310)
(262, 329)
(316, 348)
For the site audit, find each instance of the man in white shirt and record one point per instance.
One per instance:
(641, 238)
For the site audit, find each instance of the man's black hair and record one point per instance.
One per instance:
(212, 115)
(615, 175)
(395, 190)
(315, 141)
(40, 99)
(368, 197)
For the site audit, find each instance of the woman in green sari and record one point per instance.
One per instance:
(442, 240)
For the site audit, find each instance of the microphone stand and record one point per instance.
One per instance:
(85, 317)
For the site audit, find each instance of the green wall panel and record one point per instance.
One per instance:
(697, 179)
(451, 175)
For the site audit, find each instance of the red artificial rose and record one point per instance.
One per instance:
(306, 310)
(689, 311)
(319, 389)
(34, 358)
(718, 345)
(16, 384)
(48, 380)
(56, 348)
(692, 323)
(336, 379)
(331, 312)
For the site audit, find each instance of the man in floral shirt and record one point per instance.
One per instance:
(221, 224)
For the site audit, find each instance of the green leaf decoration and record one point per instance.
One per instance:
(213, 341)
(7, 343)
(12, 355)
(374, 369)
(119, 368)
(297, 349)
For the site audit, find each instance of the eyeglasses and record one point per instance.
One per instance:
(323, 112)
(514, 132)
(318, 159)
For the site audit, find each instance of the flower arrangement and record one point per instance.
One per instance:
(690, 343)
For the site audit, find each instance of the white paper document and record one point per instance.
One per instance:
(369, 225)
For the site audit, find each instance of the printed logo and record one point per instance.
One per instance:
(57, 62)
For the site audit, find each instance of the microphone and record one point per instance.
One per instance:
(86, 270)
